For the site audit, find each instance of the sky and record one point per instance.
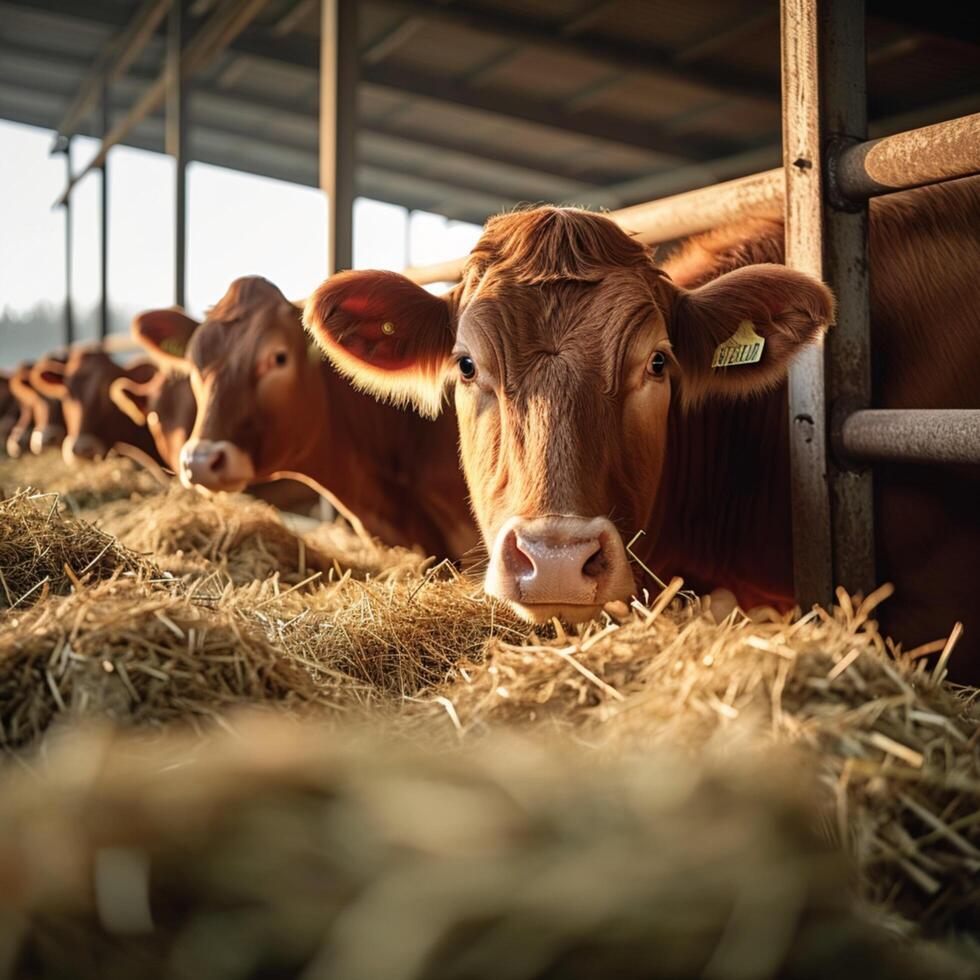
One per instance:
(238, 224)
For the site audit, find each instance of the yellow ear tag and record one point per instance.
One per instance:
(743, 347)
(173, 347)
(387, 328)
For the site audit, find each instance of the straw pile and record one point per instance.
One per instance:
(253, 620)
(238, 539)
(281, 852)
(43, 552)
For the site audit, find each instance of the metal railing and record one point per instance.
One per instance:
(830, 170)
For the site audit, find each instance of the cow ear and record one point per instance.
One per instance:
(165, 334)
(141, 371)
(132, 398)
(387, 334)
(737, 334)
(48, 378)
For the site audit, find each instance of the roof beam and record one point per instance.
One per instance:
(654, 137)
(212, 38)
(618, 54)
(113, 61)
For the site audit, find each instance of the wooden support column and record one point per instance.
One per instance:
(824, 110)
(338, 126)
(69, 308)
(176, 142)
(104, 223)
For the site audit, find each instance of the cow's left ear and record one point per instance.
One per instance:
(738, 333)
(385, 333)
(48, 377)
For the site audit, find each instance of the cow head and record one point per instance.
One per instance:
(92, 421)
(253, 380)
(42, 421)
(568, 350)
(9, 409)
(164, 404)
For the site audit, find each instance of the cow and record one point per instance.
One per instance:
(9, 409)
(269, 406)
(164, 404)
(589, 408)
(41, 423)
(94, 424)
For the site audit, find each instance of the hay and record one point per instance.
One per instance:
(43, 551)
(83, 486)
(399, 636)
(893, 747)
(279, 852)
(142, 656)
(239, 539)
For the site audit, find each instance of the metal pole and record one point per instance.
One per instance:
(948, 435)
(844, 123)
(914, 158)
(803, 169)
(824, 108)
(176, 143)
(104, 224)
(338, 126)
(69, 310)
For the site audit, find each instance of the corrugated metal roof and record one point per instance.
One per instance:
(468, 106)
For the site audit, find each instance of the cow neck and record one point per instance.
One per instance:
(360, 442)
(723, 516)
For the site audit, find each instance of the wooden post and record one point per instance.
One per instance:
(69, 308)
(824, 110)
(176, 143)
(338, 126)
(104, 224)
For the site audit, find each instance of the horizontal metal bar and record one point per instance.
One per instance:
(666, 219)
(929, 155)
(945, 435)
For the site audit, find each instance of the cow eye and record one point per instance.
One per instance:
(657, 364)
(467, 367)
(281, 358)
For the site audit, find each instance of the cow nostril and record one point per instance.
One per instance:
(596, 563)
(516, 557)
(217, 461)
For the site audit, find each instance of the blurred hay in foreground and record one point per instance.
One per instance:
(281, 852)
(892, 749)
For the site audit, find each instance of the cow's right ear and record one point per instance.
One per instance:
(387, 334)
(165, 334)
(48, 377)
(132, 398)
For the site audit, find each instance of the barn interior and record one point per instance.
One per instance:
(240, 741)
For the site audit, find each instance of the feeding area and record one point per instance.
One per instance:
(235, 748)
(488, 490)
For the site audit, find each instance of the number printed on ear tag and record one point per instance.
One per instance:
(743, 347)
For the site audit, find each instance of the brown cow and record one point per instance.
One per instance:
(589, 408)
(93, 422)
(9, 409)
(164, 404)
(41, 424)
(270, 407)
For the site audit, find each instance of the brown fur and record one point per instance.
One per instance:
(398, 473)
(38, 413)
(559, 310)
(82, 386)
